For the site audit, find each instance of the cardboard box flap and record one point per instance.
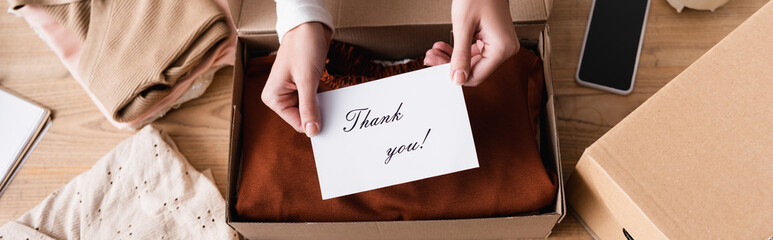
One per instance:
(252, 16)
(476, 228)
(696, 158)
(235, 8)
(545, 47)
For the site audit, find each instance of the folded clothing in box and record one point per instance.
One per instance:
(279, 181)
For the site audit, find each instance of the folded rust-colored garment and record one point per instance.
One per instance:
(279, 181)
(130, 54)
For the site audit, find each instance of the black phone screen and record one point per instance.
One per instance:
(612, 43)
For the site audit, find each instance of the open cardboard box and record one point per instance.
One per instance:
(394, 29)
(695, 160)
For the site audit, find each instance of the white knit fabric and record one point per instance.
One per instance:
(291, 13)
(142, 189)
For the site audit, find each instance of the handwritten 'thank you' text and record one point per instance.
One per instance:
(405, 148)
(355, 116)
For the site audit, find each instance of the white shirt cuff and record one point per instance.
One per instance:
(291, 13)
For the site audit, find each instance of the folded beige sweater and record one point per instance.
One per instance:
(142, 189)
(134, 51)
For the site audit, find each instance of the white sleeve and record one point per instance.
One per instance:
(291, 13)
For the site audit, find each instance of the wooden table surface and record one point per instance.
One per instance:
(80, 135)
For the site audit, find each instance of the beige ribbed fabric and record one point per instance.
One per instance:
(134, 51)
(142, 189)
(74, 16)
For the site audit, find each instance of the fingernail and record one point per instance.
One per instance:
(459, 77)
(311, 128)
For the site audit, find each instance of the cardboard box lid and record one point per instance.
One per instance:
(253, 17)
(695, 160)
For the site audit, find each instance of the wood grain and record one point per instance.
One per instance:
(80, 135)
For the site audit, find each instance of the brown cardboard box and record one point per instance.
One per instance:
(393, 29)
(695, 160)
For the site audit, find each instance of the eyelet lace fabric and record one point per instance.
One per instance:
(143, 189)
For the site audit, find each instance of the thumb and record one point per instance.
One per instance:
(307, 105)
(460, 58)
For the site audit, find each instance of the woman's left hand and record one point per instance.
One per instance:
(489, 25)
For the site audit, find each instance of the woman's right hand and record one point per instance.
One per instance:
(291, 89)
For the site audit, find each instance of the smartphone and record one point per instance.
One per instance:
(612, 45)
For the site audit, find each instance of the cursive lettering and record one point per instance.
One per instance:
(391, 152)
(353, 116)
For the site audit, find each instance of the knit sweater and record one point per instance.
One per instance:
(135, 51)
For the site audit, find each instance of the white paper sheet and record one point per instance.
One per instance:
(19, 122)
(390, 131)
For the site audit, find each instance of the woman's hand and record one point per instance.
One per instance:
(484, 37)
(291, 89)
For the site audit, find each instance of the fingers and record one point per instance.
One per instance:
(474, 61)
(435, 57)
(476, 50)
(461, 56)
(291, 88)
(443, 47)
(307, 102)
(486, 27)
(490, 57)
(482, 69)
(295, 101)
(441, 54)
(281, 100)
